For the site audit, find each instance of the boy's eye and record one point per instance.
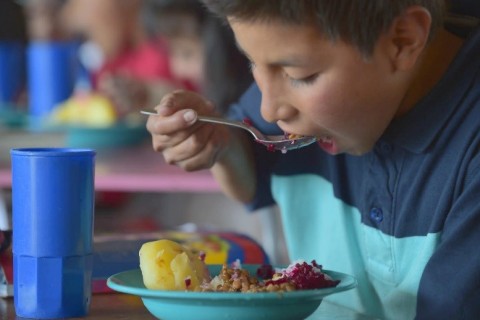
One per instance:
(303, 81)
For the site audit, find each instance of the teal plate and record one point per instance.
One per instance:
(174, 305)
(118, 135)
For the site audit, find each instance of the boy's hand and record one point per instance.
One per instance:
(180, 138)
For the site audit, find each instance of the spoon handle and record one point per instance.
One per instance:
(217, 120)
(271, 142)
(225, 122)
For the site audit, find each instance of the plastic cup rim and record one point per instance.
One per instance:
(51, 151)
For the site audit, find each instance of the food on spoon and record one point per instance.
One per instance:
(167, 265)
(293, 136)
(248, 122)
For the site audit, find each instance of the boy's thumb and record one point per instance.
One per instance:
(190, 116)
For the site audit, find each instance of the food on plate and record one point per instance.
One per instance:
(299, 275)
(167, 265)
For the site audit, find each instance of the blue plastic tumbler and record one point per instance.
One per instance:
(52, 68)
(53, 210)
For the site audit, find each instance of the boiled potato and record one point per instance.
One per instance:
(167, 265)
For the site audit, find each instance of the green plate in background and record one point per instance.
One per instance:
(119, 135)
(12, 118)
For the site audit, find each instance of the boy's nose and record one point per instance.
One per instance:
(274, 107)
(269, 105)
(267, 110)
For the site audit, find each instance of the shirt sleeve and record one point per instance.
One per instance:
(450, 285)
(248, 107)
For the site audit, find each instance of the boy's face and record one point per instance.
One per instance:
(105, 22)
(186, 59)
(313, 86)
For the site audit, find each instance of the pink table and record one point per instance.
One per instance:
(138, 169)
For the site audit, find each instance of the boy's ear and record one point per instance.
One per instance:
(408, 36)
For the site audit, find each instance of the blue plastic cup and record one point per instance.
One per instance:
(53, 210)
(52, 68)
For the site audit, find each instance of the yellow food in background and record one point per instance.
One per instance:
(92, 110)
(167, 265)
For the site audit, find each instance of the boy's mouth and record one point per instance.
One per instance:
(328, 145)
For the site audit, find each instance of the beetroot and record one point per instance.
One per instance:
(304, 276)
(247, 121)
(265, 271)
(202, 255)
(188, 282)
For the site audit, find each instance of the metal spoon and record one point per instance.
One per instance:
(279, 142)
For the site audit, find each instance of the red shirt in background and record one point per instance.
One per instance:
(148, 61)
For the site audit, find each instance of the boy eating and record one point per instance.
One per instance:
(389, 193)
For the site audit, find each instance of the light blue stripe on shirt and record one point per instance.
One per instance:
(319, 226)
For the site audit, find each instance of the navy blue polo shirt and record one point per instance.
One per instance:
(403, 218)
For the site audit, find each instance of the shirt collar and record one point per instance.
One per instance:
(417, 130)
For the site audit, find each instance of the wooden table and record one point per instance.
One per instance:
(109, 306)
(116, 306)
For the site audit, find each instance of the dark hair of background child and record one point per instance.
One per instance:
(227, 71)
(13, 22)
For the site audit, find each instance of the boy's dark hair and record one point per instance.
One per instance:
(359, 22)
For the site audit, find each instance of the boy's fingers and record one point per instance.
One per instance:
(171, 124)
(182, 99)
(193, 153)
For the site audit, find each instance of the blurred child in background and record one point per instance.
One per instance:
(201, 47)
(42, 19)
(124, 62)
